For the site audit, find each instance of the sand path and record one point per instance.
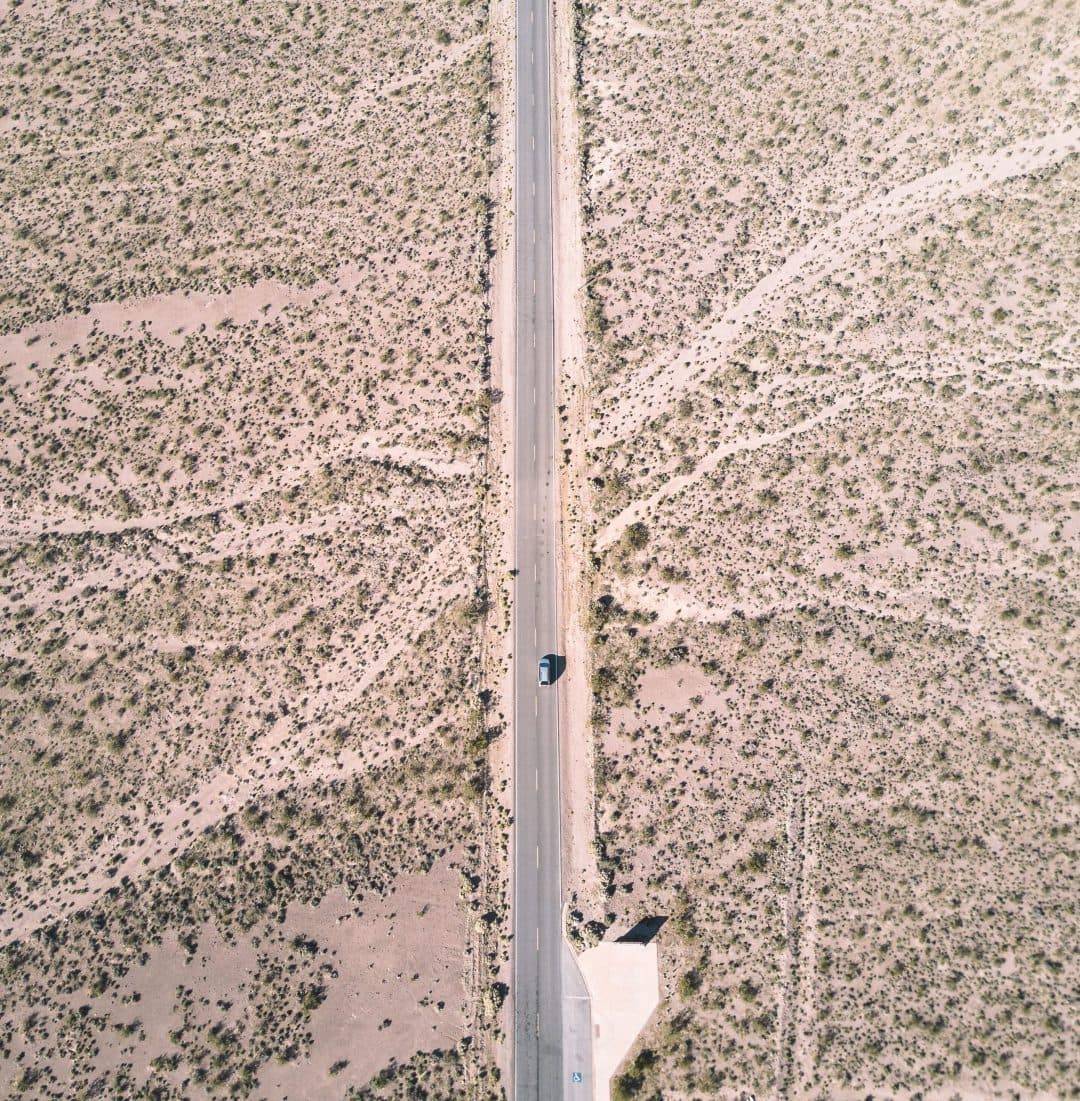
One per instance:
(164, 556)
(876, 389)
(151, 837)
(674, 605)
(370, 448)
(657, 385)
(644, 507)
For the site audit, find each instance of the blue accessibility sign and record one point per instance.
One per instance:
(575, 1077)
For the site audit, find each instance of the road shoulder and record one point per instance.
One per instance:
(580, 877)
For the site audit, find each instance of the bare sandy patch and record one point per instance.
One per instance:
(284, 952)
(401, 984)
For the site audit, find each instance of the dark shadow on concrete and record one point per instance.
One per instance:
(643, 932)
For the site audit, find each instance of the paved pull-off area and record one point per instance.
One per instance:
(623, 981)
(551, 1057)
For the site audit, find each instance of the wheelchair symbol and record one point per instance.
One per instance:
(575, 1077)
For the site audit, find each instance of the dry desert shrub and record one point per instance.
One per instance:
(163, 147)
(849, 822)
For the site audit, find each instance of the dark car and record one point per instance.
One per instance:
(547, 670)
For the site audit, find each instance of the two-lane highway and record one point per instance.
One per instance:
(545, 1069)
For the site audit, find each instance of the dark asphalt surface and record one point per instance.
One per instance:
(544, 1067)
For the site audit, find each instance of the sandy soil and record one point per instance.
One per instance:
(262, 979)
(244, 407)
(398, 959)
(834, 477)
(413, 941)
(499, 535)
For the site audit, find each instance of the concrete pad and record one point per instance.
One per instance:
(624, 990)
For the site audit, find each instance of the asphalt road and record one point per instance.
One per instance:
(551, 1020)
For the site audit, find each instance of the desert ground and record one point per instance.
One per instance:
(246, 848)
(835, 494)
